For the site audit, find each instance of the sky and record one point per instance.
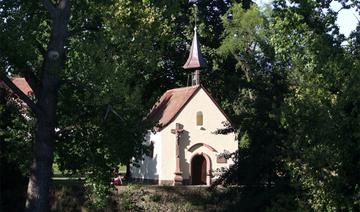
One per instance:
(347, 19)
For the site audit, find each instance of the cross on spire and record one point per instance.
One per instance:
(195, 60)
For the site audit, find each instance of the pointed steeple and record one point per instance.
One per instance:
(195, 59)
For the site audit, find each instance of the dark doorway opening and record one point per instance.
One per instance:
(198, 170)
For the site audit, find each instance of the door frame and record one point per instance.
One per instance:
(208, 167)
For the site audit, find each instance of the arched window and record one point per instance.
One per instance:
(199, 118)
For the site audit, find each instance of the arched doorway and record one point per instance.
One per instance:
(198, 170)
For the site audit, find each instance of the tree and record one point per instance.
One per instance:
(322, 148)
(44, 109)
(102, 124)
(254, 94)
(297, 139)
(117, 108)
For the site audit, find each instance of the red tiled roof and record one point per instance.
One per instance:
(21, 84)
(170, 104)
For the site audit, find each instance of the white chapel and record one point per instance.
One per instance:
(184, 146)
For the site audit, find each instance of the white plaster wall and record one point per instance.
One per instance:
(150, 166)
(168, 152)
(193, 134)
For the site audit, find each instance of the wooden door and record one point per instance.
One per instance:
(198, 170)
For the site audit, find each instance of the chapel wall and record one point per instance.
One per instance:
(150, 167)
(193, 134)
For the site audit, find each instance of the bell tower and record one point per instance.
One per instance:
(195, 61)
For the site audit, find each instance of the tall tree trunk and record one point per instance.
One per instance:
(41, 168)
(43, 147)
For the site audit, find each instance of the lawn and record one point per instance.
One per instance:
(70, 196)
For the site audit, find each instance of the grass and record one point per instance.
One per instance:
(122, 168)
(56, 170)
(70, 196)
(165, 198)
(58, 175)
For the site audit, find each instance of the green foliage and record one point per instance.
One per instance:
(101, 107)
(112, 80)
(260, 89)
(321, 146)
(287, 78)
(241, 30)
(15, 131)
(98, 190)
(296, 107)
(15, 144)
(108, 89)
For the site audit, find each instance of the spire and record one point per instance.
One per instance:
(195, 59)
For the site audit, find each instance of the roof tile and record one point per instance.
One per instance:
(170, 104)
(21, 84)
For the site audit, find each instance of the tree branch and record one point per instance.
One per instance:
(50, 7)
(19, 93)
